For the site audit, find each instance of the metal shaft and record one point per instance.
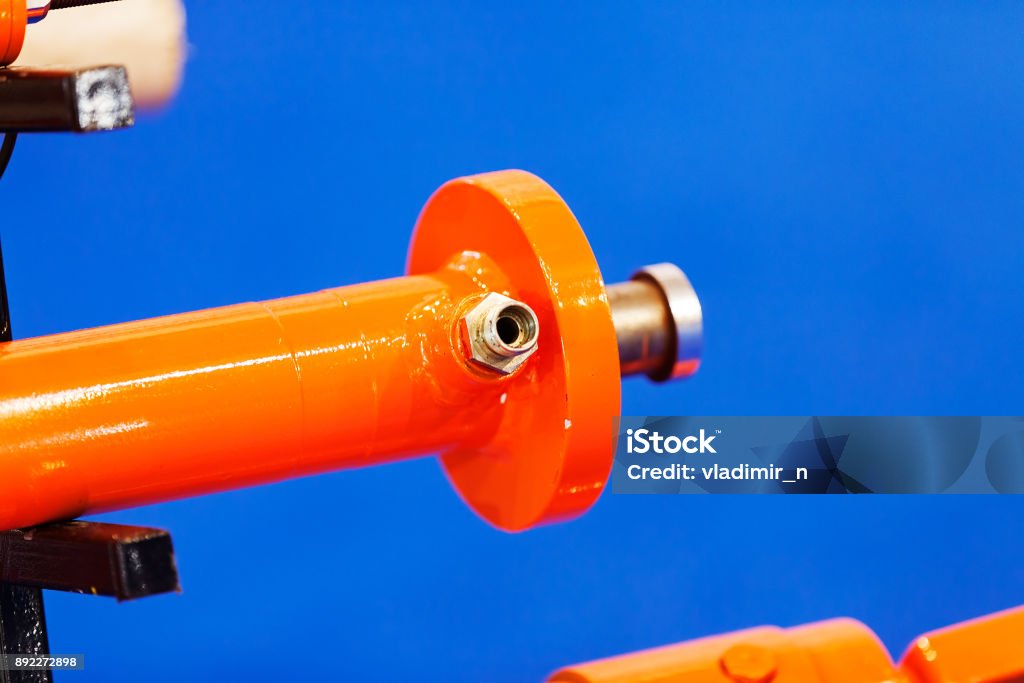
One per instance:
(658, 323)
(643, 327)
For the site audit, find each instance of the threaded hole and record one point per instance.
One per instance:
(508, 330)
(516, 327)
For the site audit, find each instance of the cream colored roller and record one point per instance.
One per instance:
(146, 36)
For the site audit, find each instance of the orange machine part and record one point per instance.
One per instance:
(839, 651)
(551, 456)
(187, 404)
(13, 20)
(986, 650)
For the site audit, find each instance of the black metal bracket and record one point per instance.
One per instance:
(124, 562)
(61, 100)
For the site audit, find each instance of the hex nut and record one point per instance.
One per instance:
(500, 333)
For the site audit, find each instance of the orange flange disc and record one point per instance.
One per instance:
(13, 19)
(551, 455)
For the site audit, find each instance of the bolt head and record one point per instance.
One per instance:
(500, 333)
(748, 663)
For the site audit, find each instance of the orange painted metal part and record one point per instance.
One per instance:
(224, 398)
(840, 650)
(13, 20)
(551, 455)
(986, 650)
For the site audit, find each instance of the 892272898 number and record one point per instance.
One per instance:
(27, 662)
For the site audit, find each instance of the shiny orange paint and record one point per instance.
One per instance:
(229, 397)
(985, 650)
(13, 20)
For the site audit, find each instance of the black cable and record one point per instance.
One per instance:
(6, 150)
(5, 311)
(64, 4)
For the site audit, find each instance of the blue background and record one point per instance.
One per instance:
(843, 185)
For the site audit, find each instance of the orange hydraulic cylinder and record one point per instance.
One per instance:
(199, 402)
(985, 650)
(834, 651)
(189, 404)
